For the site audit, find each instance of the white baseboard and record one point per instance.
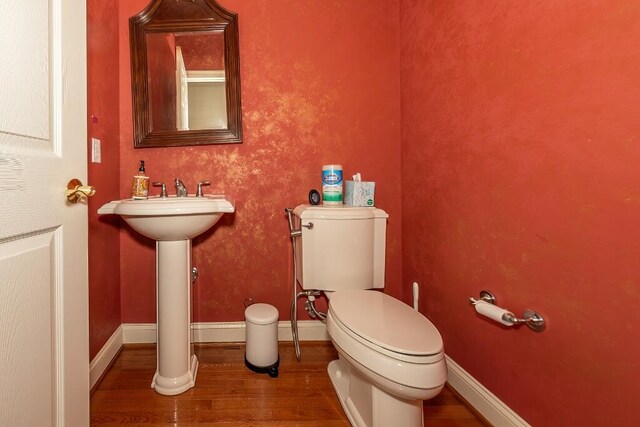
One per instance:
(103, 359)
(485, 402)
(138, 333)
(308, 330)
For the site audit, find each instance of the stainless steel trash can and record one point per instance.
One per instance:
(261, 353)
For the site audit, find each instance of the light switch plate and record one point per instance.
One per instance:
(96, 152)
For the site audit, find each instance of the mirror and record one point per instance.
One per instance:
(185, 74)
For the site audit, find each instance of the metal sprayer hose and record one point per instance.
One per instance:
(294, 303)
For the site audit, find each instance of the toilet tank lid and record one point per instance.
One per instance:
(338, 212)
(386, 322)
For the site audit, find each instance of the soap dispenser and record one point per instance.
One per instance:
(140, 184)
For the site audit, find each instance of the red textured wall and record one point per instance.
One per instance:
(202, 52)
(161, 62)
(103, 108)
(520, 154)
(320, 84)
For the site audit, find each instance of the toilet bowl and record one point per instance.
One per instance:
(391, 358)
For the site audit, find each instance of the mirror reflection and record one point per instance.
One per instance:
(187, 80)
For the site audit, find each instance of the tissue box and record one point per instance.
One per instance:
(359, 193)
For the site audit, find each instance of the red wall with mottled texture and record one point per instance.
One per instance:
(320, 84)
(161, 62)
(104, 235)
(520, 174)
(202, 52)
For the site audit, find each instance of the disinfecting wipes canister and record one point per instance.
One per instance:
(332, 184)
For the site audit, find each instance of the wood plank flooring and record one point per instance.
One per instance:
(228, 394)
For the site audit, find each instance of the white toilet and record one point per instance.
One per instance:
(391, 357)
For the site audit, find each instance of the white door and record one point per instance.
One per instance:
(44, 367)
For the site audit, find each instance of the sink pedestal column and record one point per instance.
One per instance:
(177, 365)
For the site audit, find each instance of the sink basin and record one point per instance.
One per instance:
(172, 222)
(170, 218)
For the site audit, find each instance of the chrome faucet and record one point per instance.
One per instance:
(181, 190)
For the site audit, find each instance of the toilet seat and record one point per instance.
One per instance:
(386, 325)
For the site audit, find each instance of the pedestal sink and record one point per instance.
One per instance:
(172, 222)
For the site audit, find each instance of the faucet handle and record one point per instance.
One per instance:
(163, 188)
(199, 192)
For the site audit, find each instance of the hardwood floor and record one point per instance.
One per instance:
(228, 394)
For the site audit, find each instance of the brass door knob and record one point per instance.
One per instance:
(76, 191)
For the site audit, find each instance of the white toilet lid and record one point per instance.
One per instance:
(386, 322)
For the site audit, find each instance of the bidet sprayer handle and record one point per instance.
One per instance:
(292, 231)
(289, 212)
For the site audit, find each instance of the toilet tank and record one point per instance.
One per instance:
(344, 250)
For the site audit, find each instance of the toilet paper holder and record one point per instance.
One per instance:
(530, 318)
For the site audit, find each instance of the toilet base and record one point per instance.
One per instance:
(368, 406)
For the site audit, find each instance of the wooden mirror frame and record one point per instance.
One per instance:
(178, 16)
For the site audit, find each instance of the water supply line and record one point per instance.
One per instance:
(311, 307)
